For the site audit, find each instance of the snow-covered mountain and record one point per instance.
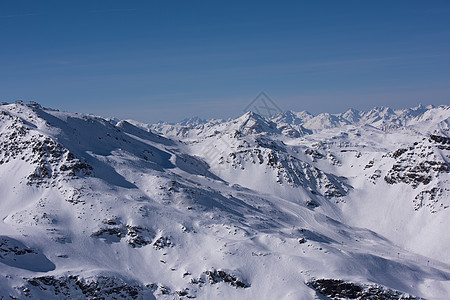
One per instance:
(352, 205)
(375, 117)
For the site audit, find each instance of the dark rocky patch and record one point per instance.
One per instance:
(430, 199)
(52, 162)
(421, 165)
(110, 234)
(442, 142)
(16, 254)
(399, 152)
(416, 165)
(216, 276)
(293, 171)
(138, 236)
(369, 165)
(75, 287)
(162, 242)
(7, 248)
(314, 154)
(339, 289)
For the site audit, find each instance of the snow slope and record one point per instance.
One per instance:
(295, 207)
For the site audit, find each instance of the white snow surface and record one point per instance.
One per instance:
(274, 203)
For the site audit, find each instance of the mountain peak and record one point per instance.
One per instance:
(251, 123)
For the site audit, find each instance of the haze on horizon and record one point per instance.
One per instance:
(153, 61)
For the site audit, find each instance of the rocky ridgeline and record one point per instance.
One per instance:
(51, 161)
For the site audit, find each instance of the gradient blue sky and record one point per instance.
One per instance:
(167, 60)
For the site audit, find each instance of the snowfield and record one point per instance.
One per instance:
(296, 206)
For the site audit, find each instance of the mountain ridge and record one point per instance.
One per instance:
(304, 122)
(93, 206)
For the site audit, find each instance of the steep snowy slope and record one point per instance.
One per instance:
(241, 209)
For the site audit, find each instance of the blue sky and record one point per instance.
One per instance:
(167, 60)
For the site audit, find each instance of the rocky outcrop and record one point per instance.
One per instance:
(339, 289)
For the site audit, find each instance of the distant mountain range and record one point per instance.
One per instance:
(305, 122)
(295, 206)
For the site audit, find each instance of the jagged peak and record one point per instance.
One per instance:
(352, 111)
(252, 116)
(251, 122)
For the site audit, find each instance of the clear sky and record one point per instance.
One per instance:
(167, 60)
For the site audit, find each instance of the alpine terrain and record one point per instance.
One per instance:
(294, 206)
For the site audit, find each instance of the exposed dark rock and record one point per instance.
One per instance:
(74, 287)
(51, 161)
(314, 154)
(16, 254)
(339, 289)
(110, 234)
(162, 242)
(440, 139)
(421, 165)
(8, 248)
(430, 199)
(216, 276)
(293, 171)
(369, 164)
(136, 236)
